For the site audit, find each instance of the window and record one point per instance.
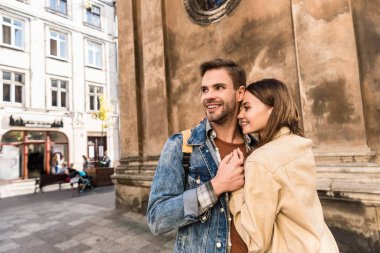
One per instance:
(12, 87)
(94, 95)
(58, 44)
(12, 32)
(40, 148)
(204, 12)
(59, 90)
(59, 6)
(94, 54)
(93, 16)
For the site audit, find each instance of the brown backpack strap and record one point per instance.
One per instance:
(186, 153)
(186, 148)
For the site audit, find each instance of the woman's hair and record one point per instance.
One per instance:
(276, 94)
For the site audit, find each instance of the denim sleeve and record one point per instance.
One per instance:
(169, 206)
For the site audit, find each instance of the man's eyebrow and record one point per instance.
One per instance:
(219, 84)
(214, 85)
(246, 103)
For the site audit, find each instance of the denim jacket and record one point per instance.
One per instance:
(171, 207)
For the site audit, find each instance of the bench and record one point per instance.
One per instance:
(50, 179)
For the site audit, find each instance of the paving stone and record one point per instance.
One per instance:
(79, 248)
(153, 248)
(2, 237)
(103, 222)
(58, 238)
(76, 222)
(59, 222)
(115, 248)
(5, 226)
(67, 244)
(19, 220)
(44, 248)
(7, 246)
(92, 240)
(93, 251)
(29, 241)
(33, 227)
(103, 245)
(50, 224)
(19, 234)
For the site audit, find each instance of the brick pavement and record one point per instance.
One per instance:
(62, 221)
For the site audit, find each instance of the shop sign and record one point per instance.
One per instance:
(31, 123)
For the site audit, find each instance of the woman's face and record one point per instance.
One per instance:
(254, 114)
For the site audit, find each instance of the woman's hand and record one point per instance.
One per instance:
(237, 157)
(230, 175)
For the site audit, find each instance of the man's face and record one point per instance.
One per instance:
(219, 98)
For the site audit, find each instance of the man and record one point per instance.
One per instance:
(63, 169)
(105, 161)
(198, 206)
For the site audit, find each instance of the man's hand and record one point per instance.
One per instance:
(230, 175)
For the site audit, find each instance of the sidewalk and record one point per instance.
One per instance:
(60, 221)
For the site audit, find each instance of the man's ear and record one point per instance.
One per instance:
(240, 93)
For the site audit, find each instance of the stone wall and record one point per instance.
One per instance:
(366, 15)
(326, 51)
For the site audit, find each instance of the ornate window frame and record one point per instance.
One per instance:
(206, 17)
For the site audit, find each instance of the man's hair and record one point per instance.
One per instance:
(236, 72)
(276, 94)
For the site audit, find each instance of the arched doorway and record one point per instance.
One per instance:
(29, 153)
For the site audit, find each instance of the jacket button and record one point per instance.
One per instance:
(229, 244)
(218, 245)
(229, 219)
(221, 210)
(204, 218)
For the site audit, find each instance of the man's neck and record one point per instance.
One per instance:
(228, 131)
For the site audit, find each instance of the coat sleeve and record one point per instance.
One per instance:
(169, 206)
(254, 208)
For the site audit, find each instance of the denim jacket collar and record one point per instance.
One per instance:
(198, 136)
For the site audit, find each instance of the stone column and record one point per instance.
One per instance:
(144, 117)
(332, 107)
(329, 80)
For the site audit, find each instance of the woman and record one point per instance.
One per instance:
(278, 209)
(86, 162)
(57, 162)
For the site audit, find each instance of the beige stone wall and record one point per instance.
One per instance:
(243, 37)
(326, 51)
(128, 82)
(360, 225)
(329, 75)
(310, 45)
(366, 15)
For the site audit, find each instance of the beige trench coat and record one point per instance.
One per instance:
(278, 210)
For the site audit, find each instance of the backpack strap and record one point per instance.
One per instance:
(186, 153)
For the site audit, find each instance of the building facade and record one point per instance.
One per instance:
(328, 53)
(58, 68)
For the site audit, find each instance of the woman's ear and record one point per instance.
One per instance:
(270, 111)
(240, 93)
